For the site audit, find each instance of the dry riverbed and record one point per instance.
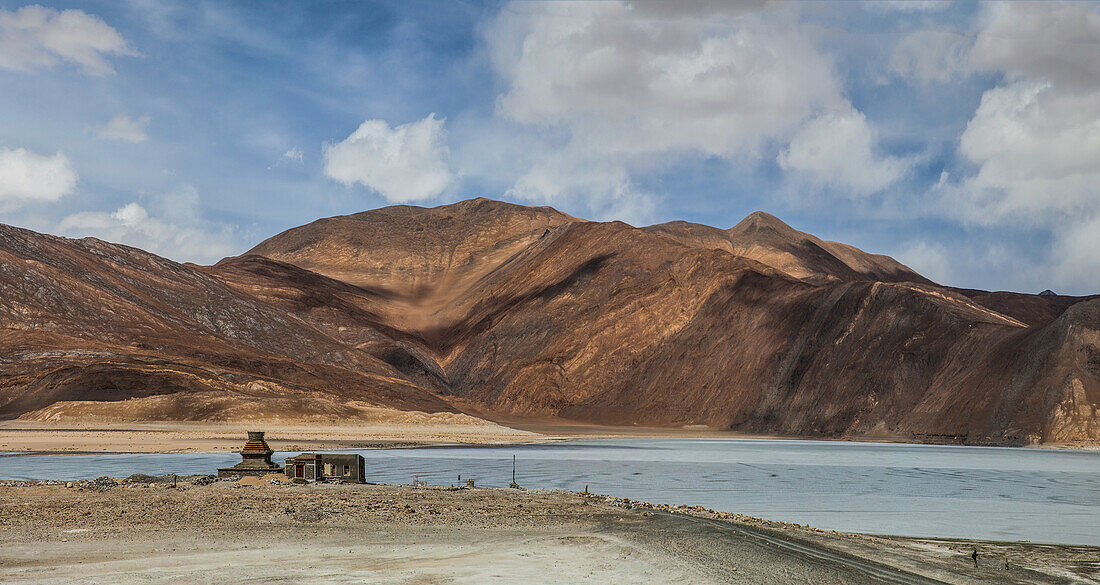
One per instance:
(230, 532)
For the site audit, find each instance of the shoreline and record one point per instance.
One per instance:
(18, 437)
(436, 534)
(35, 437)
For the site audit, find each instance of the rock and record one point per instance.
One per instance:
(204, 480)
(101, 483)
(151, 479)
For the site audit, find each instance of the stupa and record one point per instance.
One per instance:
(256, 459)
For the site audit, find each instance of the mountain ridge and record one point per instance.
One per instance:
(507, 311)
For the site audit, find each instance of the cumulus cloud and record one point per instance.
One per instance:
(601, 185)
(616, 86)
(1034, 140)
(179, 234)
(839, 150)
(36, 37)
(1037, 148)
(626, 81)
(123, 128)
(1049, 40)
(406, 163)
(26, 176)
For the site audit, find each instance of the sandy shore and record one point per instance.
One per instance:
(388, 428)
(178, 437)
(226, 532)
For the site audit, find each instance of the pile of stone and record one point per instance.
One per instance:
(102, 483)
(144, 478)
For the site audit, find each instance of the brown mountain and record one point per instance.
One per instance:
(766, 239)
(89, 328)
(516, 312)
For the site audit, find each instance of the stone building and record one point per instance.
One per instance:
(326, 467)
(256, 458)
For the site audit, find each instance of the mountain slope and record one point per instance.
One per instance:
(506, 311)
(420, 259)
(759, 328)
(110, 330)
(766, 239)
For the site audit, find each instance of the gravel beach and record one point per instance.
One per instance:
(202, 531)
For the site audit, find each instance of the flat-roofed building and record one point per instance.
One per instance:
(326, 467)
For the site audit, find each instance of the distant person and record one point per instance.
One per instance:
(974, 555)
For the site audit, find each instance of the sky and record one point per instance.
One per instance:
(961, 138)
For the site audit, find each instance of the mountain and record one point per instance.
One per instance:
(512, 312)
(92, 329)
(766, 239)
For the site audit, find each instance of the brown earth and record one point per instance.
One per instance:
(517, 313)
(255, 530)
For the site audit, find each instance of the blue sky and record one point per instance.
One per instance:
(961, 138)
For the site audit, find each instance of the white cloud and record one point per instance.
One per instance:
(932, 261)
(616, 77)
(178, 233)
(932, 56)
(295, 154)
(26, 176)
(35, 37)
(1038, 152)
(1034, 139)
(838, 150)
(910, 6)
(406, 163)
(123, 128)
(976, 259)
(1054, 41)
(603, 186)
(618, 87)
(1077, 256)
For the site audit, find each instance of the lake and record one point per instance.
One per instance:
(912, 490)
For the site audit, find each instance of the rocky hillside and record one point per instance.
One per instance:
(516, 312)
(98, 330)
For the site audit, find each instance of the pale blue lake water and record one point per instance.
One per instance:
(913, 490)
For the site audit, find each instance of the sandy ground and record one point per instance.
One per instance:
(388, 428)
(227, 532)
(165, 437)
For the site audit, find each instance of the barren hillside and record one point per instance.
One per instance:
(112, 332)
(509, 311)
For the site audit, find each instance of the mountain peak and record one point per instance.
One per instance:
(762, 220)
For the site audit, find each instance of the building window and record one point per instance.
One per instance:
(347, 470)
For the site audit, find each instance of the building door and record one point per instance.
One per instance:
(299, 471)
